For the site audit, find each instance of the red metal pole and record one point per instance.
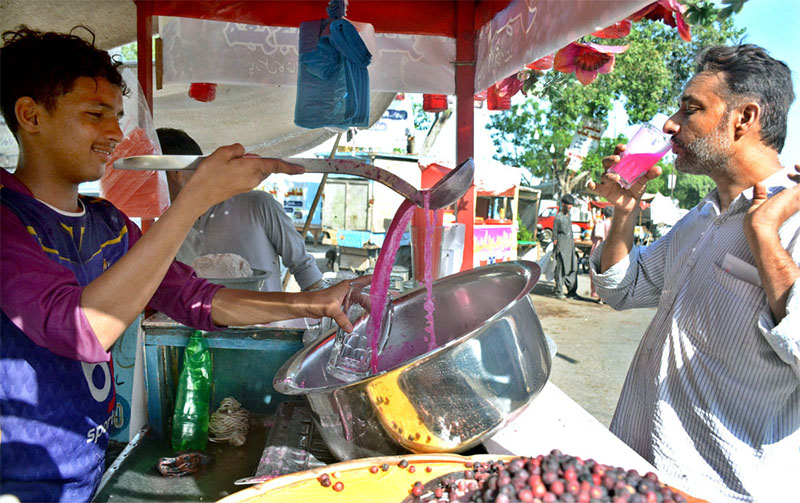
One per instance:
(465, 115)
(144, 42)
(144, 62)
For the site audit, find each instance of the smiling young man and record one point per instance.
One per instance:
(712, 397)
(76, 271)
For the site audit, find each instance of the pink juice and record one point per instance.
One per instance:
(379, 288)
(632, 166)
(428, 279)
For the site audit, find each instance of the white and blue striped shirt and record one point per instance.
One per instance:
(712, 397)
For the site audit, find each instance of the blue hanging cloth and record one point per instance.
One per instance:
(332, 77)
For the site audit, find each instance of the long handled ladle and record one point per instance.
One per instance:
(444, 193)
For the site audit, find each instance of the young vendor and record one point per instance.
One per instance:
(76, 272)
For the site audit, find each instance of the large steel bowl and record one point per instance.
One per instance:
(492, 359)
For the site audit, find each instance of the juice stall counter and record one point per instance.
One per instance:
(245, 360)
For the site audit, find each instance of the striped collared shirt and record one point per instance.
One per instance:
(712, 397)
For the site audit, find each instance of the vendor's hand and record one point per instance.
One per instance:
(229, 171)
(328, 302)
(624, 200)
(767, 214)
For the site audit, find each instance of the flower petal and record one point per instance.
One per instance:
(586, 59)
(656, 12)
(509, 86)
(683, 28)
(564, 60)
(585, 77)
(608, 67)
(616, 30)
(544, 63)
(592, 60)
(642, 13)
(673, 5)
(608, 49)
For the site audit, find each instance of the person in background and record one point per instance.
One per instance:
(599, 233)
(410, 149)
(76, 272)
(564, 251)
(252, 225)
(712, 397)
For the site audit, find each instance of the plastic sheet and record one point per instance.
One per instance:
(332, 77)
(234, 53)
(547, 263)
(142, 194)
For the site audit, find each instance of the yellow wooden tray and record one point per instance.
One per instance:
(359, 483)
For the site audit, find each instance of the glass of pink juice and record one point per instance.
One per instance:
(645, 149)
(351, 354)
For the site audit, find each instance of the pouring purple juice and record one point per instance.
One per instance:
(383, 270)
(382, 275)
(429, 306)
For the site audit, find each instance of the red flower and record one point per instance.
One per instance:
(508, 87)
(670, 12)
(616, 30)
(587, 60)
(544, 63)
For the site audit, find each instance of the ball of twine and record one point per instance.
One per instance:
(230, 423)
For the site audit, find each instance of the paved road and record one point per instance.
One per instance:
(595, 345)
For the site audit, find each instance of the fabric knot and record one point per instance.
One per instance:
(337, 9)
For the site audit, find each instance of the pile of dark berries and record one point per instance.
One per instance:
(551, 478)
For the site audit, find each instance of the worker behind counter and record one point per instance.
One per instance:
(76, 272)
(252, 225)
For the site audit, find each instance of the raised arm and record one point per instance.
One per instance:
(113, 300)
(619, 242)
(776, 267)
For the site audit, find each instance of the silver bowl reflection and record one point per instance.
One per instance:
(491, 359)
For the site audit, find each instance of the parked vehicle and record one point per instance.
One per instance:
(544, 227)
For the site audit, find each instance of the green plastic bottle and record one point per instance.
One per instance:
(190, 420)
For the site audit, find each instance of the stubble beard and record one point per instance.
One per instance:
(707, 155)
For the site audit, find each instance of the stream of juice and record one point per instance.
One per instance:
(429, 306)
(379, 288)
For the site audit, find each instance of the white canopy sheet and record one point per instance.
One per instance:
(198, 50)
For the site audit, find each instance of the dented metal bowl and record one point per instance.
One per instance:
(491, 359)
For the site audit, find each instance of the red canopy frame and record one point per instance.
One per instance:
(458, 19)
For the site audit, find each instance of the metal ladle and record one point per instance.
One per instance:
(453, 185)
(444, 193)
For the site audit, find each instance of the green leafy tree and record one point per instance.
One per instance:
(648, 79)
(422, 119)
(690, 189)
(129, 51)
